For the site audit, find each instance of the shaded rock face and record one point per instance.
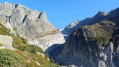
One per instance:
(95, 45)
(30, 24)
(91, 46)
(90, 56)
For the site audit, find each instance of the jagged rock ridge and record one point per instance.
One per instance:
(88, 21)
(30, 24)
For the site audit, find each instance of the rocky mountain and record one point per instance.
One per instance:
(22, 33)
(92, 45)
(92, 42)
(30, 24)
(88, 21)
(70, 28)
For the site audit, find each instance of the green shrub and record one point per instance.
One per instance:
(51, 60)
(9, 58)
(1, 44)
(3, 30)
(44, 61)
(31, 49)
(21, 44)
(99, 40)
(102, 41)
(46, 56)
(34, 49)
(24, 40)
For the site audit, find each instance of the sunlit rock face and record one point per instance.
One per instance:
(31, 24)
(6, 42)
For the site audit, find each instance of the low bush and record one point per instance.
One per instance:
(99, 40)
(1, 44)
(9, 58)
(3, 30)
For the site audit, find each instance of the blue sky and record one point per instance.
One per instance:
(63, 12)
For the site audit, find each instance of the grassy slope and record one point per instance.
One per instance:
(25, 56)
(104, 32)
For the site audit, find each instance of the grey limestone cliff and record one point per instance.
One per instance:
(31, 24)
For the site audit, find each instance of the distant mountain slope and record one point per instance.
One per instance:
(30, 24)
(88, 21)
(70, 28)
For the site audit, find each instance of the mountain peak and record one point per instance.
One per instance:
(6, 6)
(73, 24)
(43, 14)
(101, 13)
(5, 3)
(18, 5)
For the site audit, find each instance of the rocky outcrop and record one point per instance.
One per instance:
(31, 24)
(6, 42)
